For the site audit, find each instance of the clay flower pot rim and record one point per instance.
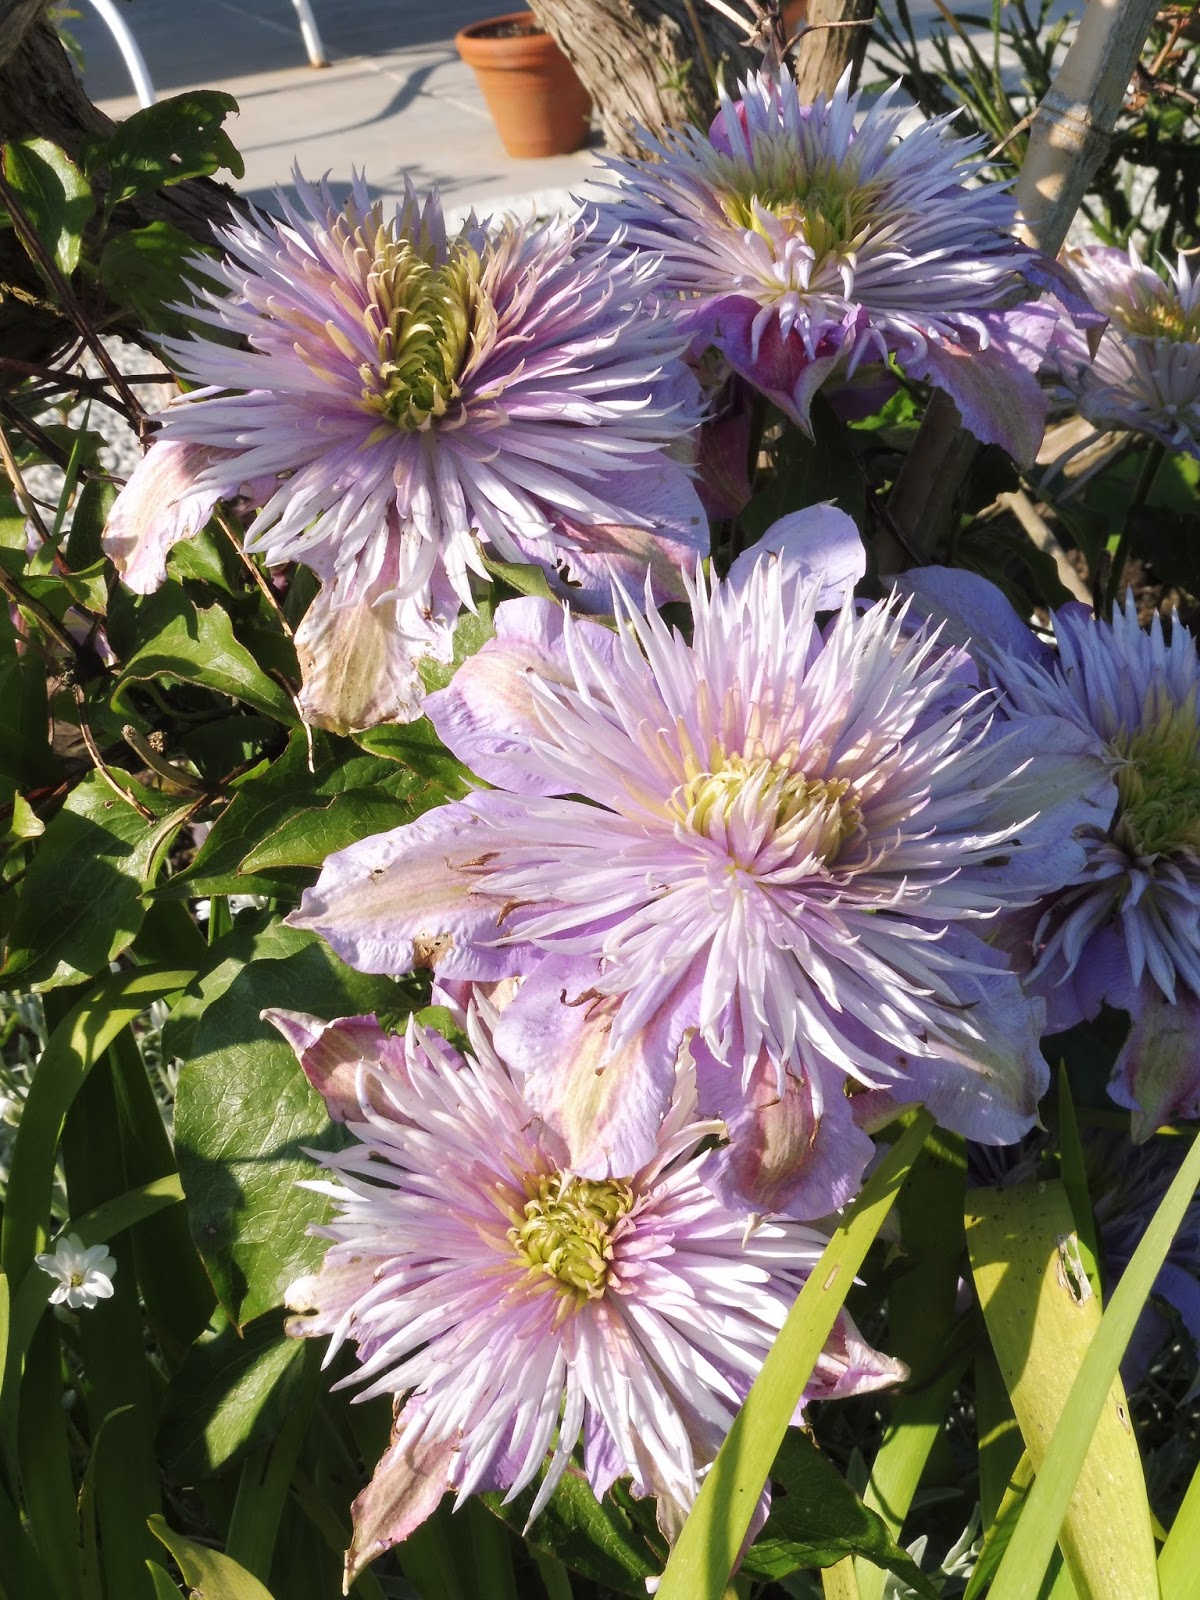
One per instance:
(479, 48)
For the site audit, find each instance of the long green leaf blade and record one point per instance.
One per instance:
(1031, 1547)
(711, 1537)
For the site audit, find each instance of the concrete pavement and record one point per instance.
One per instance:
(394, 99)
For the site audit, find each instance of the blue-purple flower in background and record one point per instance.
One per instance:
(1145, 376)
(809, 243)
(403, 400)
(1125, 929)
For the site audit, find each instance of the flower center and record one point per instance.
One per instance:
(1160, 317)
(765, 800)
(567, 1229)
(829, 209)
(422, 314)
(77, 1280)
(1159, 786)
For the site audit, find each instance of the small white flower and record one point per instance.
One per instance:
(84, 1275)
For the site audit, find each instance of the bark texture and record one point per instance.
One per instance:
(823, 53)
(41, 97)
(641, 60)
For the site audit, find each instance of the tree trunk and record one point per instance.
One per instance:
(40, 97)
(823, 53)
(641, 60)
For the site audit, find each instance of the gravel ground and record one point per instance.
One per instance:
(121, 451)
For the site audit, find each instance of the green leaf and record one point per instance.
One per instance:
(214, 1575)
(1073, 1171)
(196, 644)
(596, 1538)
(817, 1520)
(825, 467)
(230, 1395)
(250, 939)
(1179, 1558)
(288, 816)
(926, 1331)
(147, 270)
(245, 1114)
(54, 195)
(473, 631)
(164, 1589)
(523, 577)
(26, 759)
(712, 1536)
(84, 1033)
(1046, 1330)
(81, 900)
(178, 138)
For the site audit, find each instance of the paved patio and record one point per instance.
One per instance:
(394, 99)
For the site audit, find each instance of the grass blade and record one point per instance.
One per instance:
(83, 1035)
(711, 1537)
(1031, 1546)
(1179, 1558)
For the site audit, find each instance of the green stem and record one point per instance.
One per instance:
(1141, 493)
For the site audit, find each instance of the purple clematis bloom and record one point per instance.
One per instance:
(406, 400)
(515, 1307)
(1125, 930)
(808, 242)
(777, 840)
(1146, 371)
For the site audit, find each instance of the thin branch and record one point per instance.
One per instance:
(29, 238)
(1068, 138)
(230, 532)
(49, 624)
(24, 499)
(98, 760)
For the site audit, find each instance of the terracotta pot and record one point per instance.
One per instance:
(539, 106)
(795, 15)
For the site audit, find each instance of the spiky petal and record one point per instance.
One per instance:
(414, 399)
(805, 242)
(1125, 928)
(1146, 372)
(779, 835)
(517, 1308)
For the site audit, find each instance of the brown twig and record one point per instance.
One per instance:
(98, 760)
(231, 533)
(24, 499)
(46, 620)
(28, 235)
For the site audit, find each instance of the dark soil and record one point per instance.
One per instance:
(506, 30)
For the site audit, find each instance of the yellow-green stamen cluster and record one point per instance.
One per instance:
(1158, 316)
(566, 1234)
(829, 208)
(422, 307)
(815, 809)
(1159, 786)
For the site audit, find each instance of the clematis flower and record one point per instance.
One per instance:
(778, 839)
(515, 1308)
(1125, 928)
(808, 242)
(1146, 373)
(405, 400)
